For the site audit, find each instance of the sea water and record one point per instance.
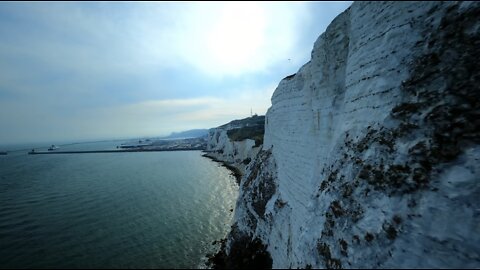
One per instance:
(112, 210)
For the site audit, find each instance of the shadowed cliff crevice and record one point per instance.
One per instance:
(245, 253)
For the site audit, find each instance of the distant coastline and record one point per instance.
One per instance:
(114, 151)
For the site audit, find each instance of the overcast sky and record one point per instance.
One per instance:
(83, 71)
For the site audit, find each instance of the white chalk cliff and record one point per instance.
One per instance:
(371, 150)
(236, 153)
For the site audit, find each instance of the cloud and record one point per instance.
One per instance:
(160, 117)
(93, 44)
(219, 39)
(146, 118)
(255, 100)
(120, 69)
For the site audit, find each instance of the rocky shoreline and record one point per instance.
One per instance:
(243, 252)
(235, 170)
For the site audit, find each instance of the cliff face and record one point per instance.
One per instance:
(371, 150)
(236, 143)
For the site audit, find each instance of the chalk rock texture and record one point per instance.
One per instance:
(371, 150)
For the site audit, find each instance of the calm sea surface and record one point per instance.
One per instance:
(112, 210)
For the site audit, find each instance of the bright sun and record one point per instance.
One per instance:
(236, 39)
